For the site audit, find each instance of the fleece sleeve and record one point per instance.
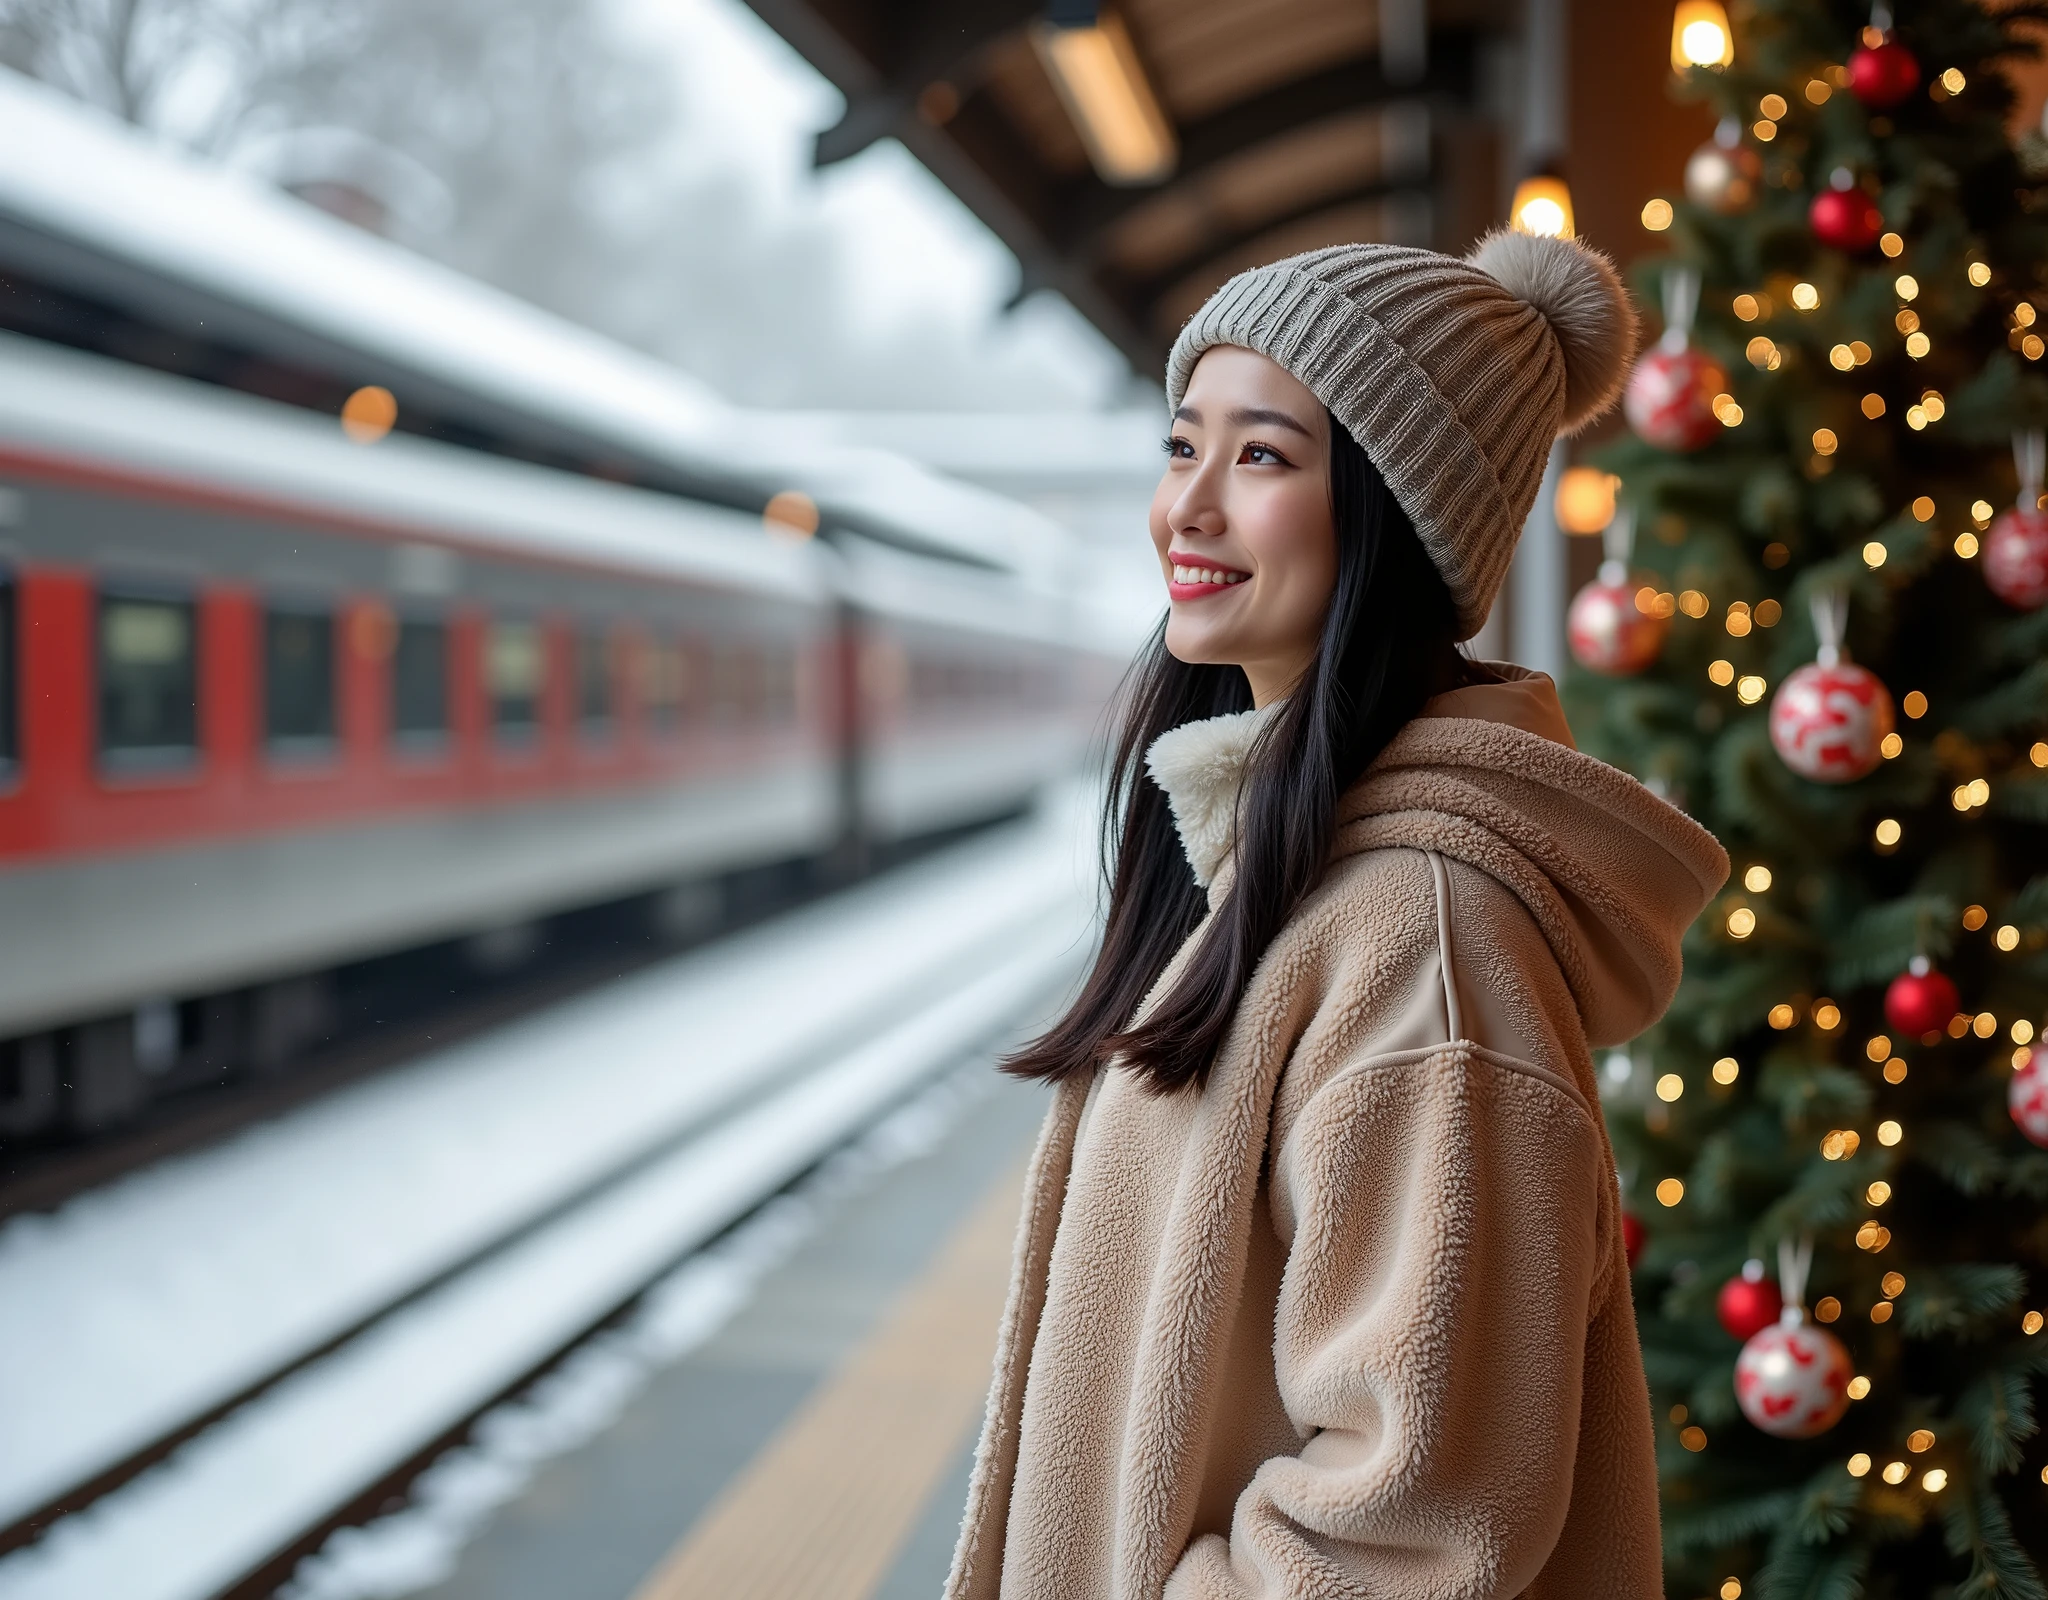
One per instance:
(1429, 1338)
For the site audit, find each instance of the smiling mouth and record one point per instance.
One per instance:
(1207, 576)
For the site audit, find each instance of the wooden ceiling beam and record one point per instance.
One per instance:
(920, 54)
(1080, 219)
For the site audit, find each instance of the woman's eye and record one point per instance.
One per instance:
(1180, 449)
(1260, 455)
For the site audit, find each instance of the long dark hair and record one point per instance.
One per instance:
(1388, 643)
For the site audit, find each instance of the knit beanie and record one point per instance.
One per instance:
(1453, 376)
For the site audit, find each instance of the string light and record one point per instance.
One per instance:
(1892, 245)
(1889, 1133)
(1914, 705)
(1670, 1192)
(1895, 1070)
(1657, 215)
(1727, 1070)
(1878, 1193)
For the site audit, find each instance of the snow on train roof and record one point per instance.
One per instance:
(75, 171)
(92, 412)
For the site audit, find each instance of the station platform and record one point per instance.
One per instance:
(818, 1444)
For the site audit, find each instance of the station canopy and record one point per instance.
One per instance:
(1134, 158)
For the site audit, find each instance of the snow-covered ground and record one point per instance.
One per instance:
(510, 1186)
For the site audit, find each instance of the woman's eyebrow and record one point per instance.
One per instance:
(1245, 416)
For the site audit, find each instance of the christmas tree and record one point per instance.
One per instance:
(1829, 643)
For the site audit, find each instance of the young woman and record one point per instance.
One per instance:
(1320, 1288)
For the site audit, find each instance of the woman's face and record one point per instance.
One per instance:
(1242, 521)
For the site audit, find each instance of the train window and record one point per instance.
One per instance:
(512, 673)
(148, 680)
(593, 679)
(664, 680)
(419, 679)
(298, 679)
(10, 680)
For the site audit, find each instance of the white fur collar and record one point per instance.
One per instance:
(1200, 765)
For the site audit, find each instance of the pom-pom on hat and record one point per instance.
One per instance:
(1453, 376)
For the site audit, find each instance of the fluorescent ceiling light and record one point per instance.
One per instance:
(1103, 86)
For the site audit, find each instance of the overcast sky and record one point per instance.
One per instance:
(917, 271)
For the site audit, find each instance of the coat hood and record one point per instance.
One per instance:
(1487, 775)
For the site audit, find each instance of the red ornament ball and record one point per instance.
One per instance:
(1608, 632)
(1721, 180)
(1792, 1379)
(2027, 1098)
(2016, 558)
(1747, 1305)
(1633, 1237)
(1881, 76)
(1846, 220)
(1828, 723)
(1670, 398)
(1920, 1001)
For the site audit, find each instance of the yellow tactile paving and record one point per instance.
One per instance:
(822, 1511)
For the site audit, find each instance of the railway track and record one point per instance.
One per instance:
(439, 1236)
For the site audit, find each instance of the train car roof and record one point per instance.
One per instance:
(84, 418)
(227, 263)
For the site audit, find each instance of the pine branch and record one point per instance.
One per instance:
(1999, 1411)
(1883, 938)
(2018, 703)
(1975, 1524)
(1715, 1527)
(1959, 1297)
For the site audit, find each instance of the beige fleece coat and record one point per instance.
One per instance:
(1354, 1319)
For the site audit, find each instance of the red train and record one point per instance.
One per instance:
(270, 701)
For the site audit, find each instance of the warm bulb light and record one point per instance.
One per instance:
(791, 514)
(1102, 83)
(1585, 499)
(1543, 206)
(368, 414)
(1700, 36)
